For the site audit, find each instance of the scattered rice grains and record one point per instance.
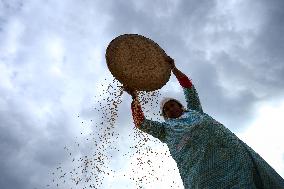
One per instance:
(91, 169)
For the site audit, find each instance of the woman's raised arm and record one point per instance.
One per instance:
(189, 90)
(154, 128)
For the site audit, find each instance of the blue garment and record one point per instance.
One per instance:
(208, 154)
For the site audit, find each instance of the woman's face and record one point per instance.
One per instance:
(172, 109)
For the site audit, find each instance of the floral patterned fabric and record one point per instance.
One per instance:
(208, 154)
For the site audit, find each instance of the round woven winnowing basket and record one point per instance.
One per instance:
(138, 62)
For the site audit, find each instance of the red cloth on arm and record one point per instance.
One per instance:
(137, 113)
(185, 82)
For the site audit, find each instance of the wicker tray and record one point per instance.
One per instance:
(138, 62)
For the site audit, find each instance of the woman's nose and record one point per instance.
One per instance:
(172, 109)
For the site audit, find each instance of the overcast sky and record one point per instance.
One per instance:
(52, 65)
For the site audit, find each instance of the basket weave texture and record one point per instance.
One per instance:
(138, 62)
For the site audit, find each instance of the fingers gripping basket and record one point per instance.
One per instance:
(138, 62)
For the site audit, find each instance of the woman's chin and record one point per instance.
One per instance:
(175, 115)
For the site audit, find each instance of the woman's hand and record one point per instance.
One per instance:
(174, 69)
(137, 112)
(171, 62)
(131, 92)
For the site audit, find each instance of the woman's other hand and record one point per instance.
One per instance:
(171, 62)
(131, 92)
(174, 69)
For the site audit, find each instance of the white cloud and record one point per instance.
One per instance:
(266, 132)
(5, 75)
(12, 37)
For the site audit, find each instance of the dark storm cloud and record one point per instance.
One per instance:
(270, 41)
(268, 46)
(166, 23)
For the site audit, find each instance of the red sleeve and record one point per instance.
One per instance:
(185, 82)
(137, 113)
